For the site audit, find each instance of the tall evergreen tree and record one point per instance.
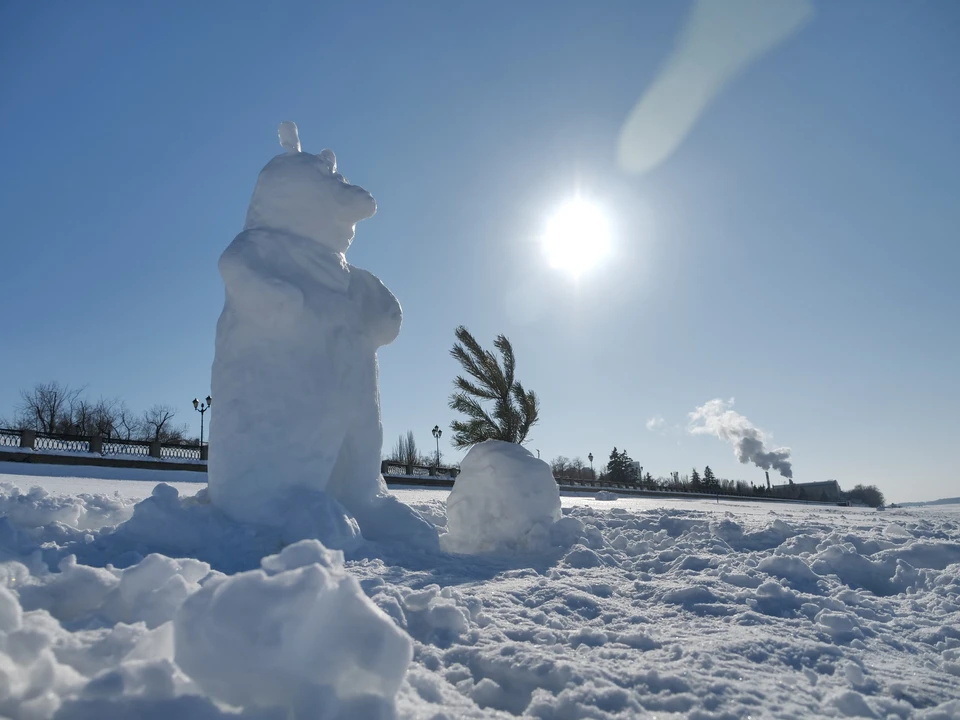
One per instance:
(620, 467)
(695, 480)
(514, 411)
(709, 479)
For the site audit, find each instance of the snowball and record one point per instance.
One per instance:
(298, 636)
(503, 499)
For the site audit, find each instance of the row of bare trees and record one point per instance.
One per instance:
(55, 408)
(564, 467)
(406, 451)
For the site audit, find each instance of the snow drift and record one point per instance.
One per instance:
(669, 607)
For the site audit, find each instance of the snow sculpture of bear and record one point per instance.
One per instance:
(295, 366)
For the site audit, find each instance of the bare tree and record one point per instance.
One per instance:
(91, 418)
(407, 452)
(127, 424)
(177, 434)
(560, 464)
(47, 407)
(103, 418)
(577, 465)
(154, 425)
(80, 419)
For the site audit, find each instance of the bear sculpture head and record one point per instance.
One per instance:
(304, 195)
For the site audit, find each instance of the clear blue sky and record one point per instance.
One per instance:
(798, 252)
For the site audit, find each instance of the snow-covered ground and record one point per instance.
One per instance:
(130, 483)
(644, 607)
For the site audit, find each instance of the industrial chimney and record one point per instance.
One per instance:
(767, 473)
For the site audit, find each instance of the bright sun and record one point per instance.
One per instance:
(577, 237)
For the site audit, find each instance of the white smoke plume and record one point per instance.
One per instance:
(655, 423)
(716, 418)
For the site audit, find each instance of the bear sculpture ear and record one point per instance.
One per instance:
(329, 159)
(289, 137)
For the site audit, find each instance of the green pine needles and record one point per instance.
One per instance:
(514, 410)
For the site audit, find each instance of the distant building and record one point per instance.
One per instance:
(824, 491)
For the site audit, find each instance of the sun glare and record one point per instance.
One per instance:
(577, 237)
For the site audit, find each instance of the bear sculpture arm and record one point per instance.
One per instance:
(379, 308)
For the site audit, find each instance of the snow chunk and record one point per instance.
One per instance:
(897, 532)
(582, 557)
(842, 627)
(38, 508)
(794, 571)
(152, 590)
(298, 634)
(852, 704)
(504, 499)
(31, 678)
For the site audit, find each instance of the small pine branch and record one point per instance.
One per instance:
(514, 410)
(509, 361)
(464, 385)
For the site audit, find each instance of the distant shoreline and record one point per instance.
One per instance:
(941, 501)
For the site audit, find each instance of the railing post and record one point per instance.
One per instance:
(28, 438)
(433, 471)
(96, 444)
(409, 469)
(204, 452)
(155, 448)
(383, 467)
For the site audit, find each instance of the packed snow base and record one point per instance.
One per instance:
(686, 609)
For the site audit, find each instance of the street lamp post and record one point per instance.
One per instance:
(590, 458)
(437, 432)
(202, 408)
